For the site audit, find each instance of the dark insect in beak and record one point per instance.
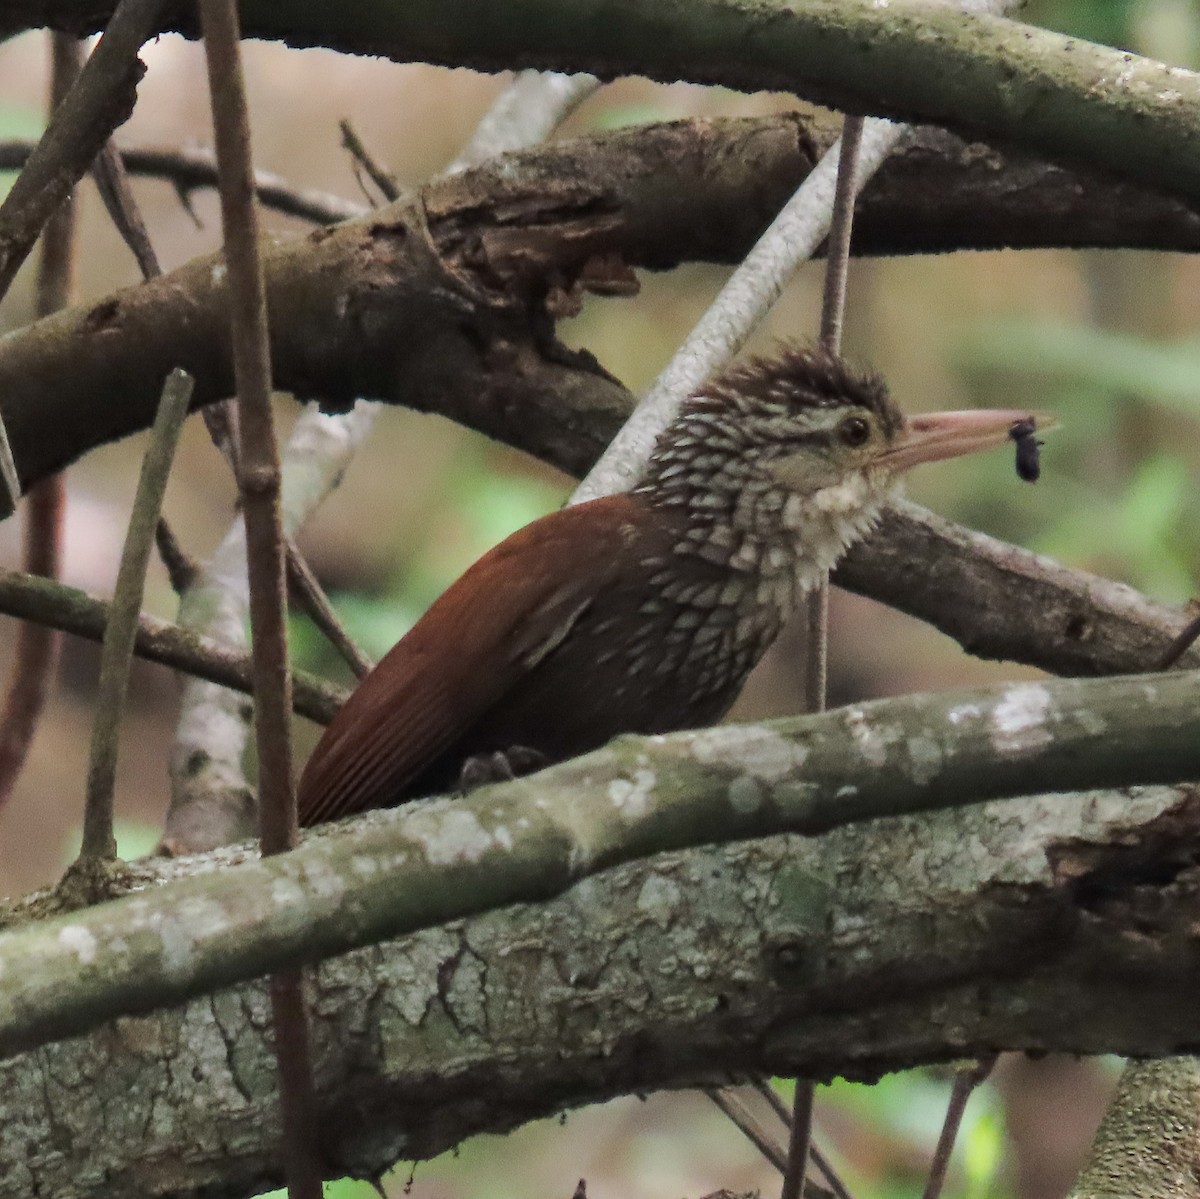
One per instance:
(1029, 466)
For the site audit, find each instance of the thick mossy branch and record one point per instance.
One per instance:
(401, 871)
(1059, 96)
(870, 948)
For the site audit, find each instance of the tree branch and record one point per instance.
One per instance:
(501, 235)
(1147, 1144)
(535, 838)
(993, 927)
(989, 76)
(29, 597)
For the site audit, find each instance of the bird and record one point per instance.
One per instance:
(640, 612)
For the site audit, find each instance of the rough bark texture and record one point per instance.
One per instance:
(409, 869)
(867, 949)
(1148, 1146)
(442, 303)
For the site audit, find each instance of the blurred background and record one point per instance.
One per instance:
(1106, 340)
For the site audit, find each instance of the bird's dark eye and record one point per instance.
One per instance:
(854, 430)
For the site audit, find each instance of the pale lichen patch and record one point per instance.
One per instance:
(454, 834)
(745, 795)
(924, 759)
(1019, 719)
(631, 797)
(79, 941)
(659, 898)
(871, 740)
(769, 754)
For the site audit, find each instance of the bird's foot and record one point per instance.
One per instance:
(499, 767)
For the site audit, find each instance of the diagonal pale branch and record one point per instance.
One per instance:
(534, 838)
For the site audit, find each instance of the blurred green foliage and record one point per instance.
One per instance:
(16, 122)
(1117, 494)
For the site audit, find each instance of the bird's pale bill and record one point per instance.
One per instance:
(931, 436)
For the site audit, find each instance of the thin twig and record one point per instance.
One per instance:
(817, 606)
(36, 653)
(45, 602)
(315, 602)
(965, 1082)
(188, 168)
(221, 421)
(799, 1139)
(383, 179)
(259, 485)
(182, 568)
(112, 181)
(1180, 645)
(777, 1105)
(117, 652)
(743, 1118)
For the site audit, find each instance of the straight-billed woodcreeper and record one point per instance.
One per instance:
(642, 612)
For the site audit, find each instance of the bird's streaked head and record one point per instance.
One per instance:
(802, 443)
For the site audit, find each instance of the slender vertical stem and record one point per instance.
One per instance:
(117, 651)
(37, 648)
(798, 1141)
(259, 484)
(833, 307)
(965, 1082)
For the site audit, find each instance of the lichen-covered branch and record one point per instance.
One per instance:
(1060, 96)
(403, 870)
(870, 948)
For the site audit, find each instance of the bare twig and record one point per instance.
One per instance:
(1180, 645)
(188, 168)
(259, 485)
(965, 1082)
(117, 652)
(383, 179)
(37, 648)
(744, 1119)
(112, 182)
(182, 568)
(305, 586)
(777, 1105)
(45, 602)
(817, 605)
(101, 99)
(799, 1139)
